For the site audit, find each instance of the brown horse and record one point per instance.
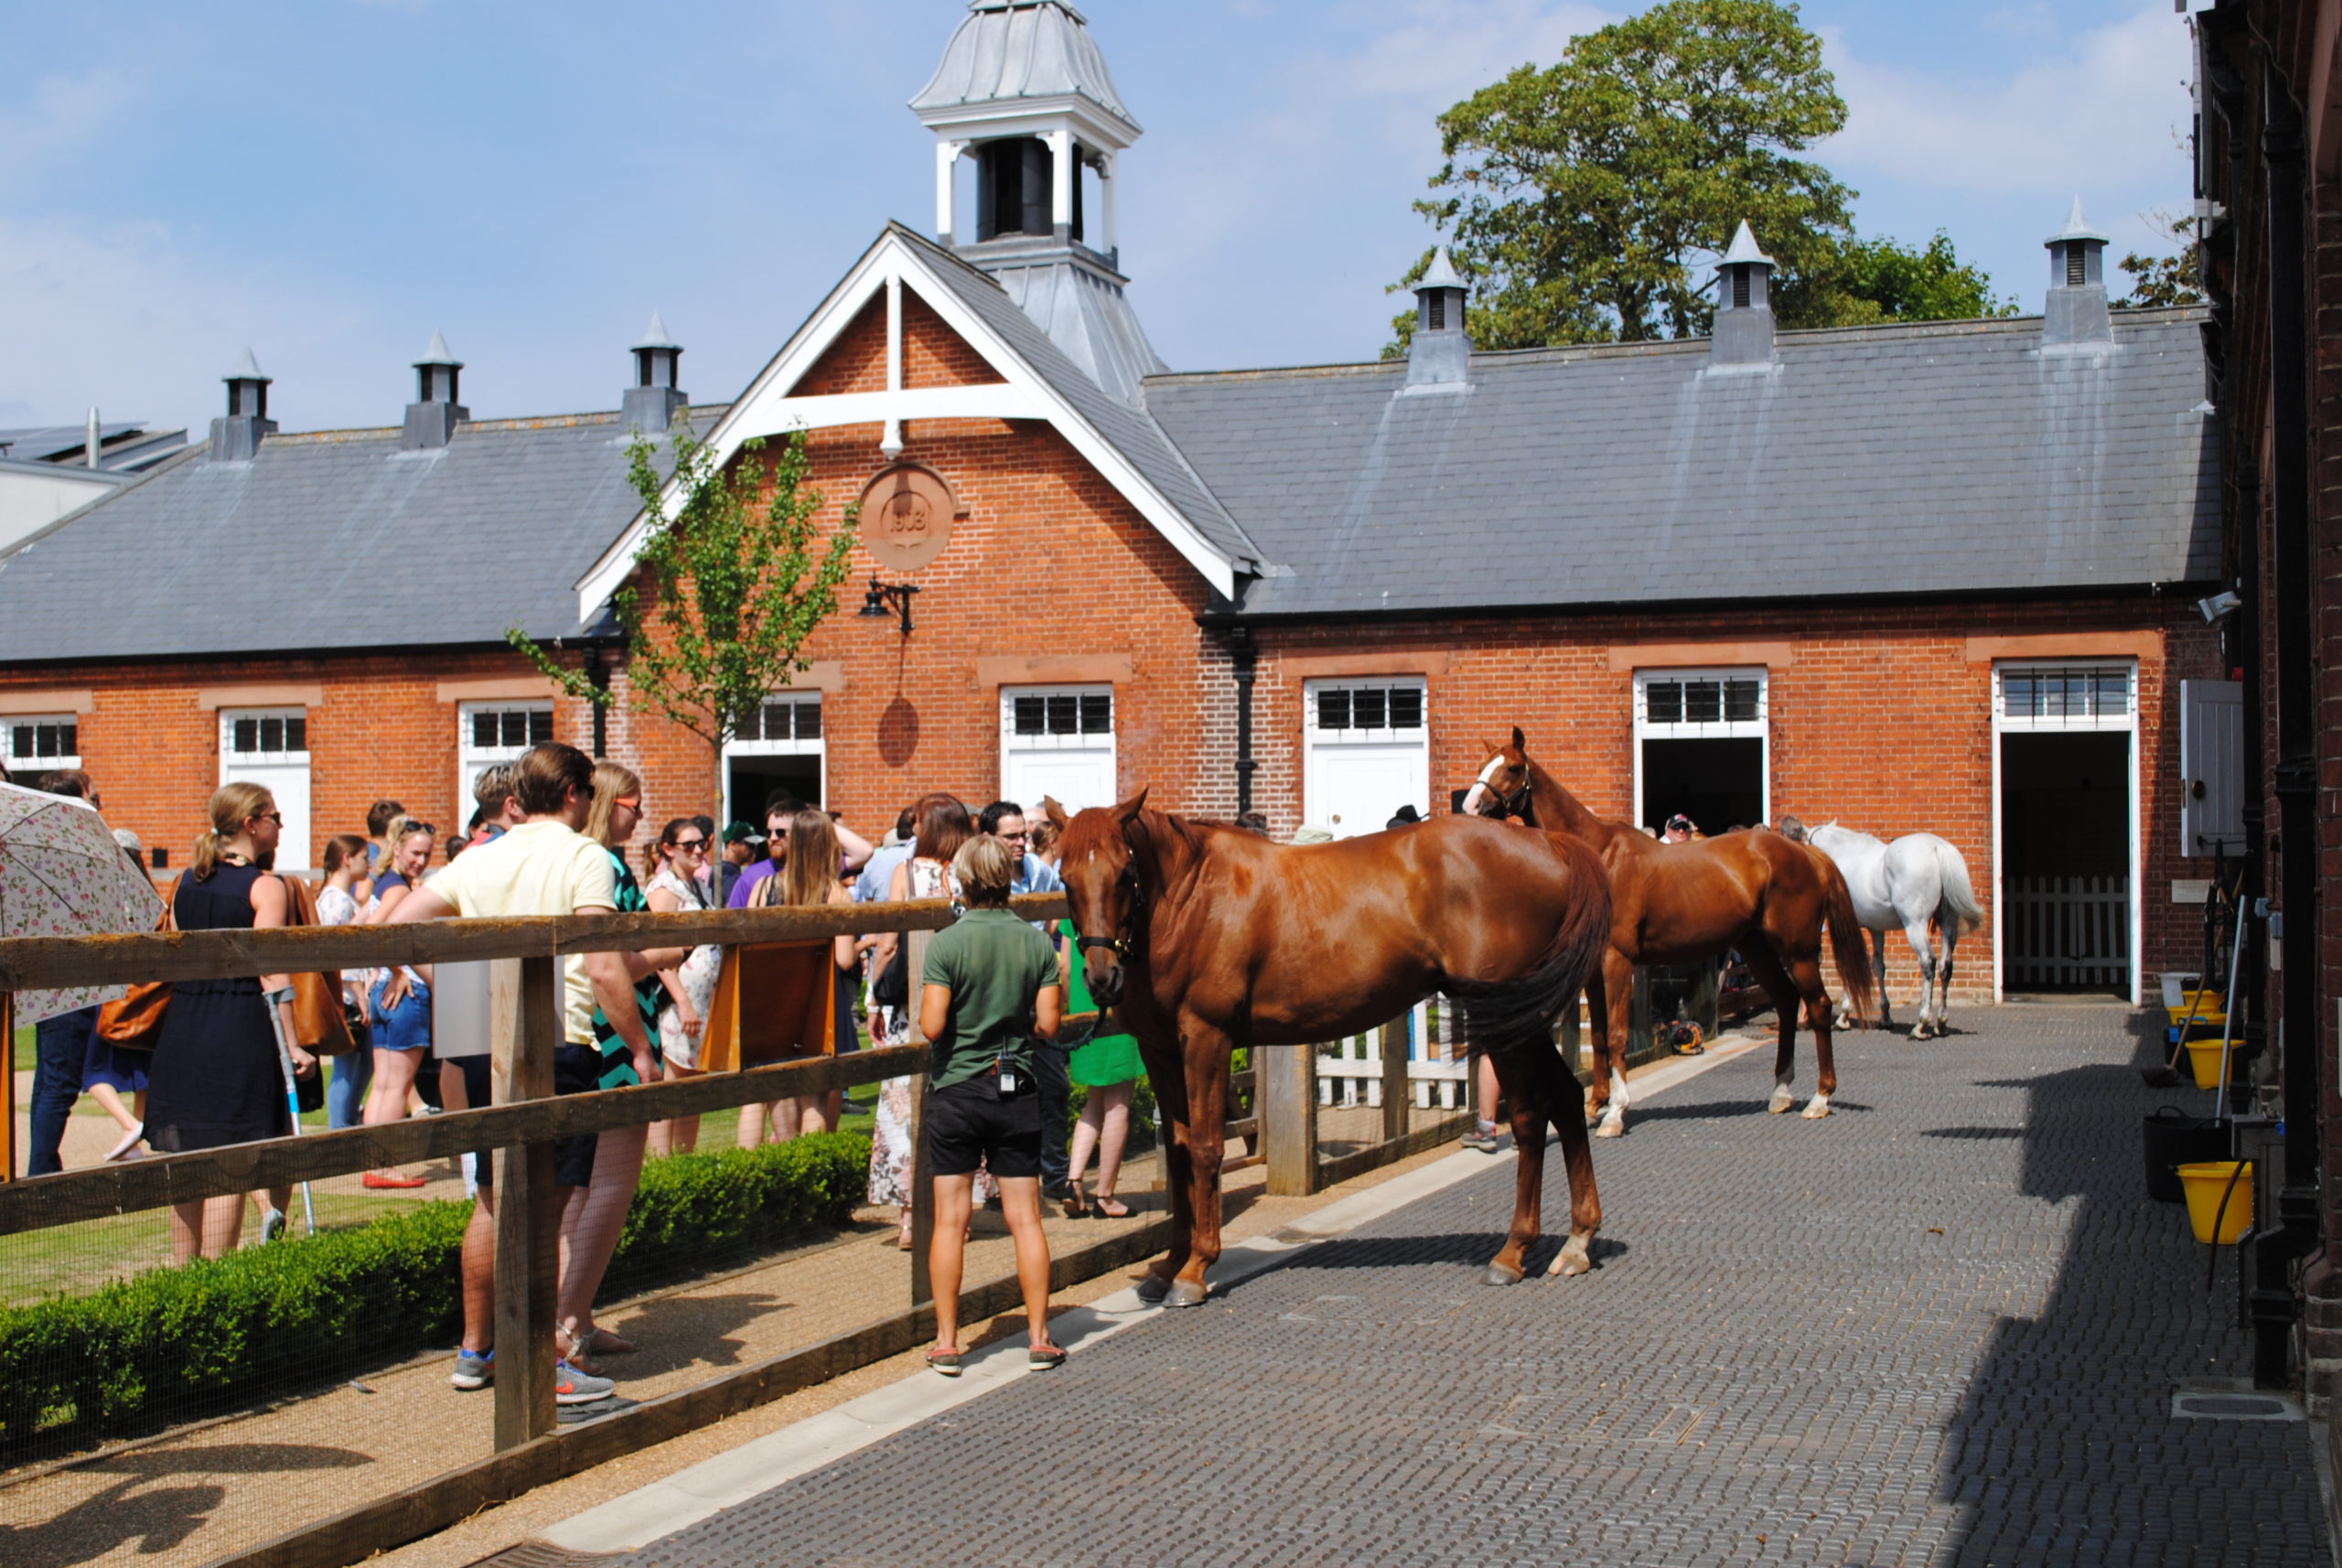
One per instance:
(1204, 936)
(1678, 903)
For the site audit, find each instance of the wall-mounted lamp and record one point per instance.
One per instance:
(888, 598)
(2224, 603)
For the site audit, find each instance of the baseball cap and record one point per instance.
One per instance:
(741, 833)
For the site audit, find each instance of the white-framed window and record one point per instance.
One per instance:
(1703, 747)
(270, 747)
(777, 748)
(38, 743)
(2066, 696)
(1057, 741)
(1366, 746)
(490, 733)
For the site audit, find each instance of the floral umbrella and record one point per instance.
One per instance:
(62, 874)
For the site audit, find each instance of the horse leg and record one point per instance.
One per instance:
(1610, 1097)
(1203, 1142)
(1767, 966)
(1886, 1006)
(1530, 1103)
(1943, 1002)
(1924, 951)
(1808, 973)
(1168, 1073)
(1578, 1160)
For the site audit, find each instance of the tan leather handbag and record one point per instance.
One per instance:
(319, 1026)
(134, 1021)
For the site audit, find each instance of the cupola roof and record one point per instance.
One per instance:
(1011, 49)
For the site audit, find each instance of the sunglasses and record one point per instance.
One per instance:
(690, 844)
(276, 817)
(631, 802)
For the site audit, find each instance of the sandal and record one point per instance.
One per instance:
(577, 1351)
(1112, 1208)
(608, 1344)
(1043, 1357)
(945, 1359)
(1076, 1206)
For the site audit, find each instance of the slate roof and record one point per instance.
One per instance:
(300, 547)
(1131, 430)
(1953, 457)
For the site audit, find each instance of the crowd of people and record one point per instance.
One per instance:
(550, 836)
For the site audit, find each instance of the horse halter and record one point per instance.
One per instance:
(1120, 943)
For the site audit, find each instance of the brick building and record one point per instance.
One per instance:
(1933, 577)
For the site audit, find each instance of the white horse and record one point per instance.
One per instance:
(1916, 880)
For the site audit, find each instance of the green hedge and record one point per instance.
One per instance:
(174, 1344)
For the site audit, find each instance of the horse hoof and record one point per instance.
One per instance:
(1611, 1127)
(1498, 1274)
(1153, 1289)
(1782, 1100)
(1571, 1260)
(1817, 1108)
(1185, 1292)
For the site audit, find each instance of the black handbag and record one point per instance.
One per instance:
(893, 986)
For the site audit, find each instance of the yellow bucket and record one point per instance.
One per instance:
(2204, 1056)
(2206, 1184)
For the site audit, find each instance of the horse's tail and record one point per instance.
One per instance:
(1505, 1013)
(1846, 944)
(1958, 894)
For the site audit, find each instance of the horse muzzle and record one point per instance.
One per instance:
(1104, 977)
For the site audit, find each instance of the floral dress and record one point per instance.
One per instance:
(698, 976)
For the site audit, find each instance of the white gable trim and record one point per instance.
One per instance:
(764, 409)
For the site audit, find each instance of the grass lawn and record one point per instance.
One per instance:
(21, 1060)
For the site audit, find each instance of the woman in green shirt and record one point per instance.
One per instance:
(989, 989)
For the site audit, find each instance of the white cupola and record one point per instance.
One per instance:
(1024, 91)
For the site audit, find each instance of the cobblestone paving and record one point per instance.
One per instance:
(1942, 1326)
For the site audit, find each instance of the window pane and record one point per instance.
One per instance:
(513, 728)
(2114, 692)
(70, 743)
(1065, 716)
(777, 721)
(1028, 716)
(1740, 701)
(541, 726)
(1333, 710)
(1098, 713)
(246, 735)
(1665, 700)
(1406, 708)
(271, 734)
(1703, 702)
(20, 740)
(297, 734)
(809, 721)
(483, 729)
(45, 741)
(1366, 707)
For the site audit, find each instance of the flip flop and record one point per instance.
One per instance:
(1111, 1208)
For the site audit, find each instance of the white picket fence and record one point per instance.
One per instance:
(2068, 930)
(1351, 1074)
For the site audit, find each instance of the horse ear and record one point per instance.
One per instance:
(1127, 813)
(1055, 812)
(1519, 744)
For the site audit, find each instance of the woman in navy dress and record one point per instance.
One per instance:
(216, 1079)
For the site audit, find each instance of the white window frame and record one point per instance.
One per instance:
(22, 765)
(817, 746)
(1110, 740)
(2094, 723)
(231, 759)
(1760, 728)
(1313, 809)
(471, 760)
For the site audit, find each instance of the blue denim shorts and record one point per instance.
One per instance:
(408, 1027)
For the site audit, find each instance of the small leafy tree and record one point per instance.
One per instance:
(725, 594)
(2165, 280)
(1584, 197)
(1868, 280)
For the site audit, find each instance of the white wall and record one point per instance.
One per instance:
(32, 501)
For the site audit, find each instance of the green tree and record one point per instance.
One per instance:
(1867, 281)
(1585, 197)
(2165, 280)
(724, 595)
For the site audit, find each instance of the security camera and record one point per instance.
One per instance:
(2224, 603)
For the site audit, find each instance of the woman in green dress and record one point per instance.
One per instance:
(1108, 1067)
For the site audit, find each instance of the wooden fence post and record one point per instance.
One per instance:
(1394, 1078)
(525, 1008)
(1285, 1095)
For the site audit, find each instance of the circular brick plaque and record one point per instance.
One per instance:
(907, 516)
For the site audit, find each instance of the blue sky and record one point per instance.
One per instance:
(330, 181)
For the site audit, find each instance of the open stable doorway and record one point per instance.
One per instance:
(1699, 749)
(2067, 802)
(776, 751)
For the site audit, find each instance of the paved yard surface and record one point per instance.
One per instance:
(1943, 1326)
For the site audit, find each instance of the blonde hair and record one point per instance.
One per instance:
(232, 805)
(611, 780)
(985, 869)
(813, 865)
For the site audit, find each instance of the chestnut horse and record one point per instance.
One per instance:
(1677, 903)
(1204, 936)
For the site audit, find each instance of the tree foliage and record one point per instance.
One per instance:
(1585, 197)
(1866, 281)
(2165, 280)
(727, 593)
